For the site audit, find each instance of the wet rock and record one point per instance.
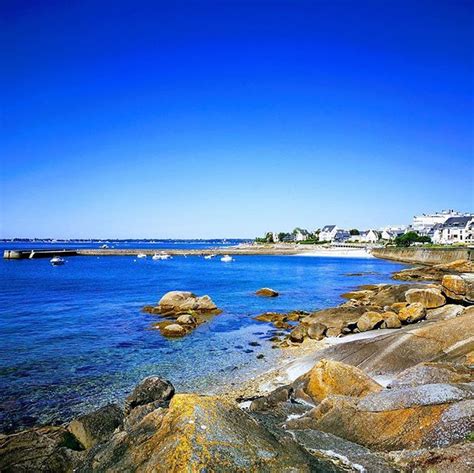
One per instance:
(298, 334)
(430, 298)
(96, 427)
(199, 433)
(390, 320)
(44, 449)
(459, 287)
(370, 321)
(186, 319)
(171, 329)
(331, 377)
(178, 302)
(254, 344)
(412, 313)
(433, 373)
(150, 389)
(449, 311)
(267, 292)
(316, 331)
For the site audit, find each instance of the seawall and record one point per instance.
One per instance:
(424, 255)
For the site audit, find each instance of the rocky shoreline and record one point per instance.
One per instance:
(383, 382)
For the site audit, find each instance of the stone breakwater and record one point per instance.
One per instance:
(399, 401)
(426, 256)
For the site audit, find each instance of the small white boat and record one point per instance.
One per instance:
(209, 256)
(56, 261)
(227, 259)
(161, 256)
(141, 255)
(104, 247)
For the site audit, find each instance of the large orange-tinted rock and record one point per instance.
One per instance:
(459, 287)
(176, 302)
(331, 377)
(370, 321)
(412, 313)
(196, 434)
(430, 298)
(390, 320)
(44, 449)
(432, 415)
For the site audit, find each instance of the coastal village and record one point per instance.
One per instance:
(447, 227)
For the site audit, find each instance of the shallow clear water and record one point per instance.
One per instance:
(73, 337)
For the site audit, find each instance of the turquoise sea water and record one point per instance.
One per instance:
(73, 337)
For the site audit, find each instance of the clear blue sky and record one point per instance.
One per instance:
(230, 118)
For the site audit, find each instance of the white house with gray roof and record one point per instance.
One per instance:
(455, 230)
(328, 233)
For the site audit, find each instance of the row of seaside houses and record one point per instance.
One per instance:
(445, 227)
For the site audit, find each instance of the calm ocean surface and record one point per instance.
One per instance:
(73, 338)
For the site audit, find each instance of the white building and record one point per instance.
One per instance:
(328, 233)
(422, 224)
(368, 236)
(390, 233)
(300, 234)
(455, 230)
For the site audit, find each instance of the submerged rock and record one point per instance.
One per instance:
(267, 292)
(329, 377)
(96, 427)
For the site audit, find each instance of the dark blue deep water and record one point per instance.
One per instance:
(73, 337)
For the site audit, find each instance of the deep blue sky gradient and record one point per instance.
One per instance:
(230, 118)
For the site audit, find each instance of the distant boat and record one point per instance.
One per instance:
(56, 261)
(104, 246)
(227, 259)
(209, 256)
(141, 255)
(161, 256)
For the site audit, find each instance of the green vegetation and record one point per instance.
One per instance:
(410, 238)
(354, 231)
(268, 238)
